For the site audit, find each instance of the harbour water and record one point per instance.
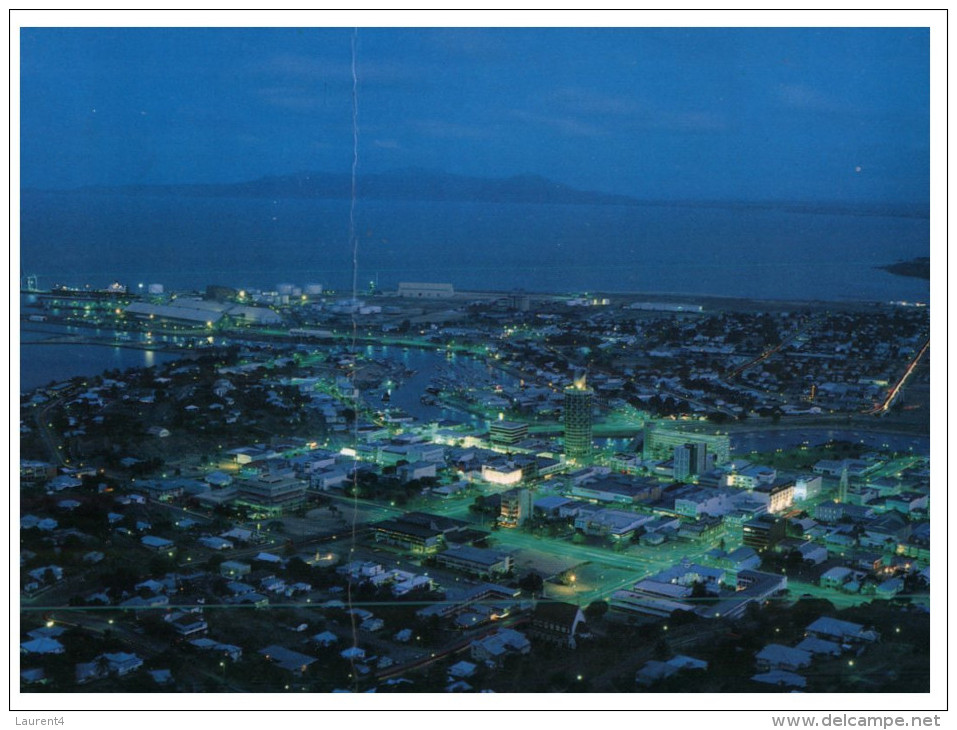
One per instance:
(41, 364)
(427, 366)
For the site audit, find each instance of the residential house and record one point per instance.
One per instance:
(85, 672)
(837, 577)
(325, 639)
(189, 624)
(890, 588)
(215, 543)
(812, 553)
(162, 677)
(353, 654)
(462, 670)
(122, 663)
(234, 653)
(654, 670)
(42, 645)
(781, 678)
(291, 661)
(33, 676)
(845, 632)
(157, 543)
(493, 649)
(778, 656)
(814, 646)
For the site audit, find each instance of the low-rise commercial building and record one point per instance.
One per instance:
(476, 561)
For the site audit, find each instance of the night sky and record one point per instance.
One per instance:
(838, 114)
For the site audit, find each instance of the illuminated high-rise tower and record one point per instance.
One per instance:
(578, 405)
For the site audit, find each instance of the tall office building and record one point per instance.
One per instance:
(516, 507)
(690, 460)
(578, 406)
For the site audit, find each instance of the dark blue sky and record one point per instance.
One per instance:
(683, 113)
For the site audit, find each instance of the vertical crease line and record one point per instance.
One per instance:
(354, 393)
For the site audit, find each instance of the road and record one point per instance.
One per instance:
(775, 349)
(896, 388)
(42, 419)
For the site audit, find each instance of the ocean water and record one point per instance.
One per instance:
(181, 242)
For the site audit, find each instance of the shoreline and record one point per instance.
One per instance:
(718, 303)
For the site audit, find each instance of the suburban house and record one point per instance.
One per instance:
(235, 653)
(836, 577)
(654, 670)
(189, 624)
(122, 663)
(325, 639)
(781, 678)
(493, 649)
(778, 656)
(844, 632)
(291, 661)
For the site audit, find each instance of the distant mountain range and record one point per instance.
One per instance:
(430, 185)
(411, 184)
